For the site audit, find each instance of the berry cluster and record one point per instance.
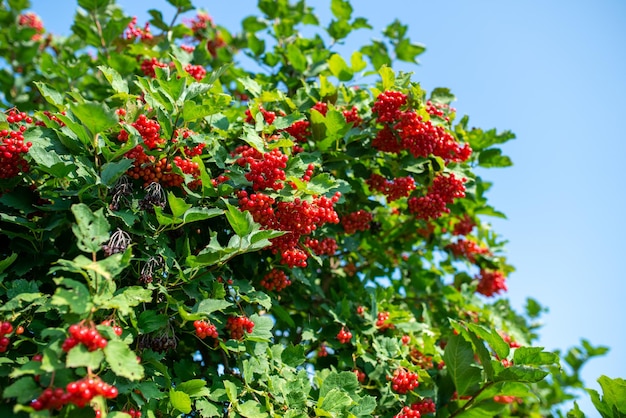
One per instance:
(392, 189)
(420, 359)
(322, 351)
(5, 329)
(440, 110)
(205, 329)
(268, 116)
(147, 66)
(79, 393)
(491, 282)
(275, 280)
(406, 130)
(383, 322)
(344, 336)
(31, 20)
(467, 249)
(134, 413)
(300, 130)
(408, 412)
(507, 339)
(388, 104)
(356, 221)
(119, 241)
(51, 117)
(327, 246)
(406, 339)
(298, 218)
(464, 226)
(196, 71)
(442, 192)
(12, 145)
(267, 170)
(236, 325)
(403, 381)
(86, 335)
(352, 116)
(148, 129)
(133, 32)
(426, 406)
(506, 399)
(157, 343)
(116, 328)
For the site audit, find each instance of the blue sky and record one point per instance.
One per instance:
(553, 73)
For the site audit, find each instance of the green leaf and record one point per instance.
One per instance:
(115, 79)
(231, 391)
(207, 409)
(296, 57)
(341, 9)
(534, 356)
(110, 172)
(76, 296)
(93, 5)
(339, 68)
(493, 157)
(252, 409)
(388, 77)
(191, 387)
(364, 407)
(521, 374)
(241, 222)
(459, 359)
(96, 117)
(253, 138)
(293, 355)
(24, 389)
(6, 262)
(91, 228)
(128, 298)
(192, 111)
(339, 380)
(335, 401)
(51, 95)
(196, 214)
(150, 321)
(357, 62)
(208, 306)
(178, 206)
(123, 361)
(613, 395)
(407, 51)
(180, 400)
(492, 338)
(80, 356)
(262, 330)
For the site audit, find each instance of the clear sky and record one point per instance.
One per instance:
(554, 73)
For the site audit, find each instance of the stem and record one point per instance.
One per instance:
(469, 403)
(99, 29)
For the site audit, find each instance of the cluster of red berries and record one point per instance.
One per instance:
(298, 217)
(408, 412)
(420, 359)
(5, 329)
(79, 393)
(403, 381)
(467, 249)
(31, 20)
(464, 226)
(407, 130)
(507, 339)
(392, 189)
(268, 116)
(300, 130)
(360, 375)
(442, 192)
(192, 152)
(116, 328)
(406, 339)
(440, 110)
(387, 105)
(236, 325)
(426, 406)
(148, 129)
(133, 32)
(383, 322)
(491, 282)
(327, 246)
(344, 336)
(417, 409)
(196, 71)
(86, 335)
(13, 147)
(147, 66)
(322, 351)
(205, 329)
(52, 117)
(352, 116)
(356, 221)
(267, 170)
(275, 280)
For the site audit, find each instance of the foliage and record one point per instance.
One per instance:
(182, 236)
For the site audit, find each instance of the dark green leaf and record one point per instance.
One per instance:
(293, 355)
(91, 228)
(241, 222)
(208, 306)
(112, 171)
(459, 358)
(97, 117)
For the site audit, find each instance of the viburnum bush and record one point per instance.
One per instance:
(183, 236)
